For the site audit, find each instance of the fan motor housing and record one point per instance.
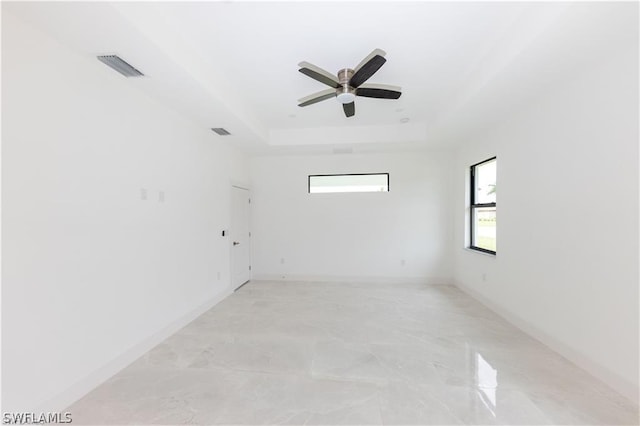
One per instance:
(344, 76)
(345, 93)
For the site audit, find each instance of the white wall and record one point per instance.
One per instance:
(567, 263)
(90, 270)
(352, 235)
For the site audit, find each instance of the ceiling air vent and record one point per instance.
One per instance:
(119, 65)
(343, 150)
(221, 131)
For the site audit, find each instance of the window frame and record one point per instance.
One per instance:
(347, 174)
(473, 205)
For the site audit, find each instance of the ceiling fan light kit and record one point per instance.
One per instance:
(349, 83)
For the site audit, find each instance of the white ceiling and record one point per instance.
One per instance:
(234, 64)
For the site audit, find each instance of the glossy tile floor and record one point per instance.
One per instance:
(320, 353)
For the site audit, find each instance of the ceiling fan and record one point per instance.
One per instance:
(348, 83)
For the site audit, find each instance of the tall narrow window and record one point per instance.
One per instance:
(483, 206)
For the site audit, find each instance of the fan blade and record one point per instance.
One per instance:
(319, 74)
(376, 52)
(317, 97)
(349, 109)
(381, 91)
(367, 67)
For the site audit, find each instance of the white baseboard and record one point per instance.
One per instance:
(63, 400)
(352, 279)
(618, 383)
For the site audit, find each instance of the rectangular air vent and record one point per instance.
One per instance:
(343, 150)
(120, 65)
(221, 131)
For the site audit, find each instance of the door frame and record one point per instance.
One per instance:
(230, 243)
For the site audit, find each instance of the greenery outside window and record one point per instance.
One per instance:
(483, 206)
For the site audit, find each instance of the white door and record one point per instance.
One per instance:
(239, 236)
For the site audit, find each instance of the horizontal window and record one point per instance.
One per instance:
(369, 182)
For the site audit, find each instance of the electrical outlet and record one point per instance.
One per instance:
(161, 197)
(484, 277)
(143, 194)
(282, 260)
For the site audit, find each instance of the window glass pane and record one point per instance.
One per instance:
(349, 183)
(485, 182)
(484, 228)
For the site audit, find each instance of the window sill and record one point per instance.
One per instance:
(491, 255)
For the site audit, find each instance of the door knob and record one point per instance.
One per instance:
(235, 243)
